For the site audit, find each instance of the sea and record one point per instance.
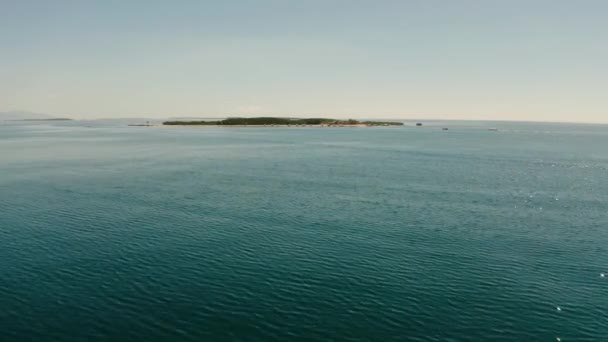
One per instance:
(113, 232)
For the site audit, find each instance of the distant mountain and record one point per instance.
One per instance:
(23, 115)
(194, 118)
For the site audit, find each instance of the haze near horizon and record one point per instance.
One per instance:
(511, 60)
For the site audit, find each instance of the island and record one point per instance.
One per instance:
(274, 121)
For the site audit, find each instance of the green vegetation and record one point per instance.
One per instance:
(282, 121)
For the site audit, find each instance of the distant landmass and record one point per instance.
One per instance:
(272, 121)
(27, 116)
(195, 118)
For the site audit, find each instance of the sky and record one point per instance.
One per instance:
(530, 60)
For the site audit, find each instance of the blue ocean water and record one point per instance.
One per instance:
(349, 234)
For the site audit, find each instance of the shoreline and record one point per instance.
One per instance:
(283, 122)
(267, 126)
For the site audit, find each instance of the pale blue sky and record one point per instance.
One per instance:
(461, 59)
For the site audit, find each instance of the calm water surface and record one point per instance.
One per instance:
(114, 232)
